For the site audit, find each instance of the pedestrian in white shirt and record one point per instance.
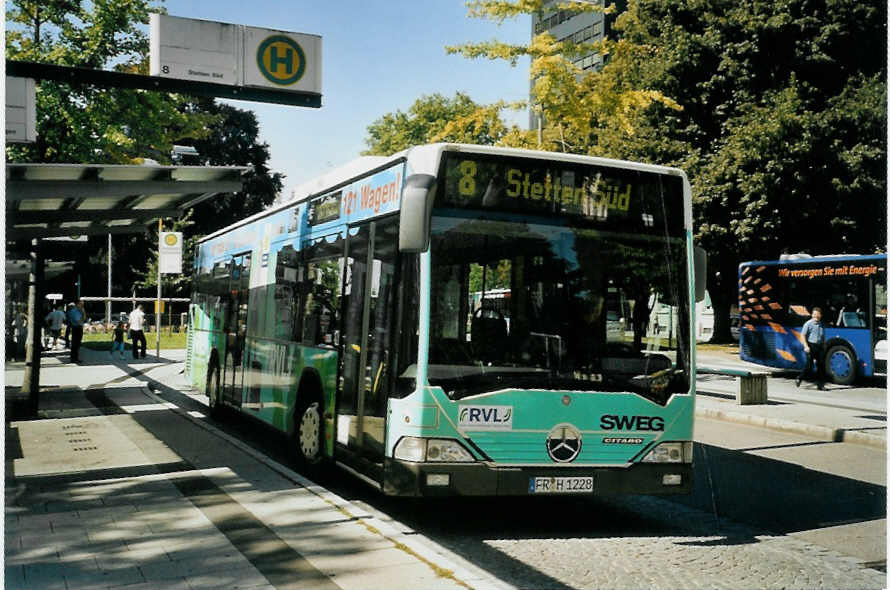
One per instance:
(137, 336)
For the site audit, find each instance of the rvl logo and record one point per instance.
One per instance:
(486, 417)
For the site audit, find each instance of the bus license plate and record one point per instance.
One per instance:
(560, 485)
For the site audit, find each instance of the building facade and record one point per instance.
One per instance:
(583, 27)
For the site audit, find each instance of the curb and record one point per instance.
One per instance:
(826, 433)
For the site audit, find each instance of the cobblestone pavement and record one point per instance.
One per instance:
(682, 548)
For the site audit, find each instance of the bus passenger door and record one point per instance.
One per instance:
(368, 308)
(355, 317)
(236, 329)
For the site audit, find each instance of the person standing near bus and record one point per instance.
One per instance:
(813, 334)
(76, 318)
(137, 335)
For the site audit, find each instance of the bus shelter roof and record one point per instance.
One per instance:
(61, 200)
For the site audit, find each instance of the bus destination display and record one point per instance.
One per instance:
(563, 189)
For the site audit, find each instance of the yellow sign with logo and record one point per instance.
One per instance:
(170, 252)
(281, 60)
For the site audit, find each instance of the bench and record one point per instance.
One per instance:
(751, 388)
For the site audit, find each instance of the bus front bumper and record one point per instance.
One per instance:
(403, 478)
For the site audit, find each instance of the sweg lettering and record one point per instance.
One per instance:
(609, 196)
(615, 422)
(373, 197)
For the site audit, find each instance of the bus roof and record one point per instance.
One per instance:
(425, 159)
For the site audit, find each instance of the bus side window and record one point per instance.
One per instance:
(285, 324)
(880, 307)
(319, 286)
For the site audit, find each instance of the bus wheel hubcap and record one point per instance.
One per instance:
(309, 428)
(840, 364)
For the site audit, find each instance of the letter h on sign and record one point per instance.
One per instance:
(287, 61)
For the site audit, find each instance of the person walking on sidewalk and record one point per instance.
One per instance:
(137, 335)
(813, 334)
(76, 318)
(54, 321)
(118, 339)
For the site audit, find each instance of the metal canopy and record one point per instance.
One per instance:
(57, 200)
(18, 270)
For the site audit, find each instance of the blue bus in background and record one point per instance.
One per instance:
(776, 298)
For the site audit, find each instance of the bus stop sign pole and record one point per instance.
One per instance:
(158, 304)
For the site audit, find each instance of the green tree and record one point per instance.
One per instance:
(784, 119)
(575, 106)
(433, 118)
(85, 124)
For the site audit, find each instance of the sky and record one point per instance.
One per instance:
(378, 56)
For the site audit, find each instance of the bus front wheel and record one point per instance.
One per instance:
(840, 364)
(308, 434)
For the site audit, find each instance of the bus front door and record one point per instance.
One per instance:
(236, 330)
(368, 310)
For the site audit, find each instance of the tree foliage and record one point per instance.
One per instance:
(784, 122)
(576, 109)
(436, 118)
(85, 124)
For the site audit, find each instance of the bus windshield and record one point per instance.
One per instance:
(528, 304)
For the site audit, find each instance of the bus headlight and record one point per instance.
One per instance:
(670, 452)
(410, 448)
(446, 450)
(440, 450)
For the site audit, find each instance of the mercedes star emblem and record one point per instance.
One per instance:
(564, 443)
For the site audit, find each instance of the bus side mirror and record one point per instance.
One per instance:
(700, 262)
(417, 208)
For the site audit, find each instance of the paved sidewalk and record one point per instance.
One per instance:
(113, 487)
(787, 412)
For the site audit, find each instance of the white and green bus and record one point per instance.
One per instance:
(346, 320)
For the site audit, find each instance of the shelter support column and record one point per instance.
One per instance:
(31, 383)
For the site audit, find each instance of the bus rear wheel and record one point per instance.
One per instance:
(307, 435)
(840, 364)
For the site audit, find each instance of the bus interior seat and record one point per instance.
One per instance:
(851, 319)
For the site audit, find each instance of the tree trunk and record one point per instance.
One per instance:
(723, 288)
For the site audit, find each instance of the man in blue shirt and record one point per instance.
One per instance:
(76, 318)
(813, 334)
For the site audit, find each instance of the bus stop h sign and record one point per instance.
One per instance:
(236, 55)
